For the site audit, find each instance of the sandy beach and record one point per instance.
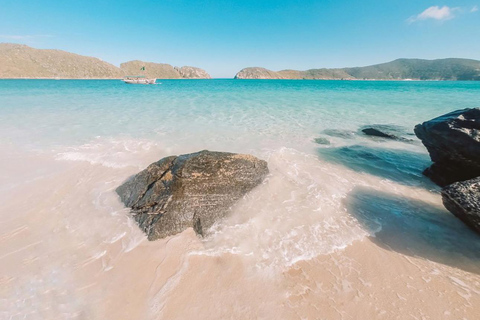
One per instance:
(71, 251)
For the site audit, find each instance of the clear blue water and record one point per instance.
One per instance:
(66, 145)
(109, 123)
(46, 113)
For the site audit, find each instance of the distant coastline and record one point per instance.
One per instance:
(23, 62)
(453, 69)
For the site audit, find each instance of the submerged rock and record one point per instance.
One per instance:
(453, 141)
(321, 140)
(463, 200)
(386, 131)
(340, 133)
(191, 190)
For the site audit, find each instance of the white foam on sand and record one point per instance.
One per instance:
(114, 152)
(298, 213)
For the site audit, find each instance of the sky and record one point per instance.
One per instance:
(224, 36)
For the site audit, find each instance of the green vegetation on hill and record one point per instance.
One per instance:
(401, 69)
(442, 69)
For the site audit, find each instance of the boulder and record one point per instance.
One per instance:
(453, 141)
(386, 131)
(463, 200)
(191, 190)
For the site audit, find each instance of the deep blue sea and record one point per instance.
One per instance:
(66, 241)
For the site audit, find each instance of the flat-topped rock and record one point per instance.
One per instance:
(463, 200)
(453, 141)
(386, 131)
(191, 190)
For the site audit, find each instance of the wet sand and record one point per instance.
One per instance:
(69, 250)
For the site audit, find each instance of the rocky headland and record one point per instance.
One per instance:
(23, 62)
(191, 190)
(187, 72)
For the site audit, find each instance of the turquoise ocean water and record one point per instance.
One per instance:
(49, 113)
(67, 144)
(110, 124)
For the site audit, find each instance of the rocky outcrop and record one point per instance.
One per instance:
(453, 141)
(257, 73)
(162, 70)
(191, 190)
(463, 200)
(192, 73)
(386, 131)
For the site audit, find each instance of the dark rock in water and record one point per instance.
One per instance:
(453, 141)
(463, 200)
(339, 133)
(386, 131)
(192, 190)
(320, 140)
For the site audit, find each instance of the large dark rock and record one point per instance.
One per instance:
(192, 190)
(463, 200)
(386, 131)
(453, 141)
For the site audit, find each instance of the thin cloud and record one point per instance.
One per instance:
(474, 9)
(24, 37)
(435, 13)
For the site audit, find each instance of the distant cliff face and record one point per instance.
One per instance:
(152, 70)
(162, 70)
(192, 73)
(401, 69)
(257, 73)
(21, 61)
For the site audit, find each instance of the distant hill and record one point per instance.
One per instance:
(163, 70)
(400, 69)
(21, 61)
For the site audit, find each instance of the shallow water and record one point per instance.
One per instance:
(68, 248)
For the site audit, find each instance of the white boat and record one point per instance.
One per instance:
(138, 80)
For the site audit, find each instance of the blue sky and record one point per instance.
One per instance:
(225, 36)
